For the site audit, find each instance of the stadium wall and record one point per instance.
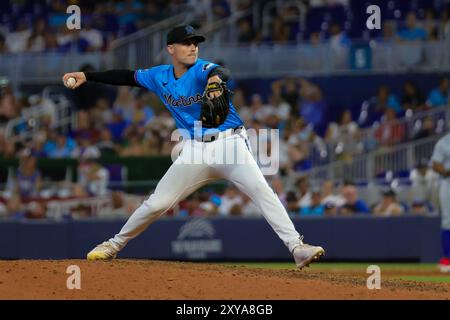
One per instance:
(231, 239)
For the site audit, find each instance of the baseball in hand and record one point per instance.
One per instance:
(70, 83)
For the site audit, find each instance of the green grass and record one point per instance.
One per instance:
(426, 278)
(355, 266)
(338, 265)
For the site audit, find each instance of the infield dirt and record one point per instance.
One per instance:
(147, 279)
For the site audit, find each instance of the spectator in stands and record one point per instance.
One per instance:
(101, 112)
(313, 106)
(71, 41)
(117, 125)
(85, 149)
(210, 204)
(438, 97)
(329, 196)
(134, 143)
(258, 109)
(28, 180)
(316, 208)
(425, 183)
(422, 175)
(91, 35)
(105, 144)
(388, 32)
(303, 192)
(280, 32)
(17, 40)
(85, 128)
(9, 107)
(338, 39)
(344, 135)
(141, 113)
(7, 149)
(51, 43)
(292, 206)
(428, 129)
(378, 104)
(298, 156)
(245, 32)
(330, 209)
(15, 208)
(421, 208)
(353, 204)
(412, 32)
(412, 98)
(59, 146)
(388, 206)
(282, 109)
(35, 210)
(231, 198)
(430, 24)
(36, 41)
(289, 93)
(390, 131)
(93, 177)
(194, 208)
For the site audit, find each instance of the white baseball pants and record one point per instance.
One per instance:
(200, 163)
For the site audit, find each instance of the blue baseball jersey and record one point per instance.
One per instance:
(183, 96)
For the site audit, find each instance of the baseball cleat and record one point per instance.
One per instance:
(104, 251)
(304, 254)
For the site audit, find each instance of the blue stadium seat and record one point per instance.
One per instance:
(117, 175)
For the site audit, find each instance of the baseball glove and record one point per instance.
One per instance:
(215, 110)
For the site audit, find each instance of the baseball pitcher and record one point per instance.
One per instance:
(195, 92)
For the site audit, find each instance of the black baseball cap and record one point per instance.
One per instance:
(389, 193)
(182, 33)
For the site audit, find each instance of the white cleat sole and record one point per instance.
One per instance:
(320, 253)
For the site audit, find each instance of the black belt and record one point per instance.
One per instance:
(215, 136)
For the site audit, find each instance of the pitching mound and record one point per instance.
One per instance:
(143, 279)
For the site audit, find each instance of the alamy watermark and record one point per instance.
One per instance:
(243, 146)
(374, 280)
(374, 20)
(74, 280)
(74, 20)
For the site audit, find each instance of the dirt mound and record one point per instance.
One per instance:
(144, 279)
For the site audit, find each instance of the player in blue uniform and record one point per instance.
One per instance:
(180, 86)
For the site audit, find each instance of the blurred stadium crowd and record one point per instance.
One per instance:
(125, 122)
(135, 124)
(40, 26)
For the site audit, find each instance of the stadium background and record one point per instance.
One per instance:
(359, 112)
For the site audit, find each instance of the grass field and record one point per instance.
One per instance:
(423, 272)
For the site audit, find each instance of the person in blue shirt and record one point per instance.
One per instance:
(412, 32)
(180, 86)
(316, 208)
(353, 204)
(438, 97)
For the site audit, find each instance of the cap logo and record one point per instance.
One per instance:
(189, 30)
